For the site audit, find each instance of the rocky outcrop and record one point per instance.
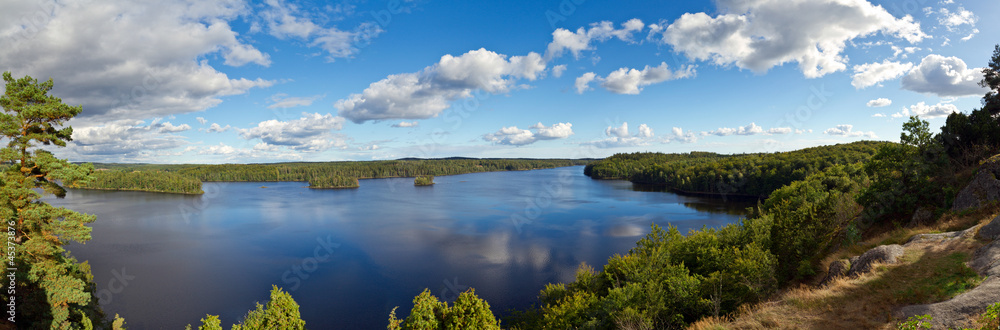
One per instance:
(955, 312)
(942, 237)
(886, 254)
(859, 265)
(837, 269)
(990, 231)
(984, 187)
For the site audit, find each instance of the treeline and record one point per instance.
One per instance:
(188, 178)
(747, 174)
(366, 170)
(155, 181)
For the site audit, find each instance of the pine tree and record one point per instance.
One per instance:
(53, 290)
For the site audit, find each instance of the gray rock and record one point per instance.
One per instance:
(955, 312)
(837, 269)
(920, 238)
(984, 187)
(986, 260)
(886, 254)
(990, 231)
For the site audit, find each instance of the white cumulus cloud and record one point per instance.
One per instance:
(927, 111)
(631, 81)
(870, 74)
(618, 136)
(761, 34)
(879, 102)
(130, 60)
(575, 42)
(582, 83)
(518, 137)
(751, 129)
(848, 130)
(945, 77)
(427, 93)
(311, 132)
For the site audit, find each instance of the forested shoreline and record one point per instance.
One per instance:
(187, 178)
(711, 174)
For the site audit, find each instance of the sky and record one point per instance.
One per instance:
(231, 81)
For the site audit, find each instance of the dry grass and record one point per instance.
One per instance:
(928, 272)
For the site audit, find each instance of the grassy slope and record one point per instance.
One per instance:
(927, 273)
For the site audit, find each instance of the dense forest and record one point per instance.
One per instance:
(178, 178)
(155, 181)
(754, 175)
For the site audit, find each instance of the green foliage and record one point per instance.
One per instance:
(990, 319)
(916, 322)
(118, 323)
(427, 312)
(281, 312)
(968, 138)
(54, 291)
(155, 181)
(210, 322)
(901, 176)
(807, 215)
(468, 312)
(667, 281)
(423, 180)
(748, 174)
(336, 182)
(916, 133)
(991, 80)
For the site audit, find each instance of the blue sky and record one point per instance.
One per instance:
(234, 82)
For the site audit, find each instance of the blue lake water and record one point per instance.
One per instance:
(349, 256)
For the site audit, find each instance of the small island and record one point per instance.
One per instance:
(152, 181)
(333, 182)
(423, 180)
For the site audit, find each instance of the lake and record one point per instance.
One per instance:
(349, 256)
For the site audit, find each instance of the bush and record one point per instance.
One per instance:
(808, 215)
(281, 312)
(468, 312)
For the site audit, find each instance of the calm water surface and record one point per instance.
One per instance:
(349, 256)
